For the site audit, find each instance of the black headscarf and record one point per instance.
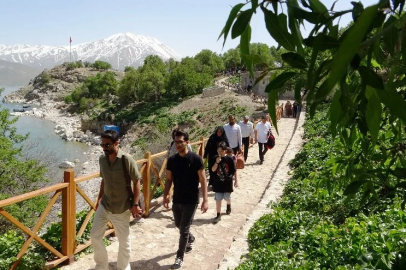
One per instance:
(214, 140)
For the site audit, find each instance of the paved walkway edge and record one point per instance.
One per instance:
(238, 250)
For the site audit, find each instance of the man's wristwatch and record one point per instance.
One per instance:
(135, 204)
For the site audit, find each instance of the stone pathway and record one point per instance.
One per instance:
(218, 246)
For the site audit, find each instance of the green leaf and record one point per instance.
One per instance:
(282, 36)
(374, 112)
(390, 37)
(396, 3)
(335, 112)
(245, 49)
(318, 6)
(280, 81)
(233, 13)
(261, 76)
(353, 187)
(326, 42)
(295, 30)
(311, 17)
(298, 88)
(255, 58)
(394, 101)
(322, 92)
(254, 4)
(241, 23)
(294, 60)
(399, 173)
(369, 77)
(350, 46)
(272, 98)
(357, 10)
(304, 3)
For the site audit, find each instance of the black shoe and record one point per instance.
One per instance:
(189, 248)
(191, 239)
(217, 219)
(178, 264)
(261, 162)
(228, 211)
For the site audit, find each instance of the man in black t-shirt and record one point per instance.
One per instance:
(185, 170)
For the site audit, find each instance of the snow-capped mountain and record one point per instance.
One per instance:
(119, 50)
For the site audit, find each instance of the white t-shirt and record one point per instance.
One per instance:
(262, 130)
(247, 129)
(233, 134)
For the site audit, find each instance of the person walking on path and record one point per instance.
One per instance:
(233, 133)
(261, 136)
(185, 170)
(172, 147)
(210, 151)
(113, 202)
(295, 108)
(223, 182)
(288, 109)
(247, 134)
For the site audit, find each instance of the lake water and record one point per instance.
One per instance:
(43, 135)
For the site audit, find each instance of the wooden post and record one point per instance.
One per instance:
(146, 183)
(69, 216)
(201, 152)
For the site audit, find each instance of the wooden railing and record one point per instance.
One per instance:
(68, 189)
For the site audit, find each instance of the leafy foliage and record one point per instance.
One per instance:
(360, 68)
(315, 226)
(45, 77)
(101, 65)
(18, 176)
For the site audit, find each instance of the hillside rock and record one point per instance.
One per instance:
(62, 82)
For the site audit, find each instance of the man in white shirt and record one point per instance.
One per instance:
(261, 136)
(247, 134)
(233, 133)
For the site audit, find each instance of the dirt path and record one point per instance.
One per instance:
(217, 246)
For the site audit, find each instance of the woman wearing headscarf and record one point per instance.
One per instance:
(210, 151)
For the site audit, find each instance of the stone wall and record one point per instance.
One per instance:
(213, 91)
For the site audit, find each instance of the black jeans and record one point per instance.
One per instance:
(262, 150)
(183, 215)
(246, 143)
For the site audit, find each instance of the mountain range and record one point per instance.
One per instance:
(16, 74)
(119, 50)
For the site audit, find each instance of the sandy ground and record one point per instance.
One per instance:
(154, 240)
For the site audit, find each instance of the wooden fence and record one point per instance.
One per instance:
(69, 189)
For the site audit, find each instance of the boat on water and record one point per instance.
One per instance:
(25, 108)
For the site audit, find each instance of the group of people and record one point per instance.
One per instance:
(185, 170)
(291, 110)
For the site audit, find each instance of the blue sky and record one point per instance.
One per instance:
(186, 26)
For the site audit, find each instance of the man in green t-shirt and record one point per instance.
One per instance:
(114, 203)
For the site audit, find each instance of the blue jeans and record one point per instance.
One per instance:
(183, 215)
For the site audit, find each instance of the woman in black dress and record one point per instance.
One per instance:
(210, 151)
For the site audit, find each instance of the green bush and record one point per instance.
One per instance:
(45, 78)
(68, 99)
(101, 65)
(83, 104)
(10, 245)
(315, 226)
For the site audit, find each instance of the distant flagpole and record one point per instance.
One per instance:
(70, 46)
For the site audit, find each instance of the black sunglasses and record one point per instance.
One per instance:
(106, 145)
